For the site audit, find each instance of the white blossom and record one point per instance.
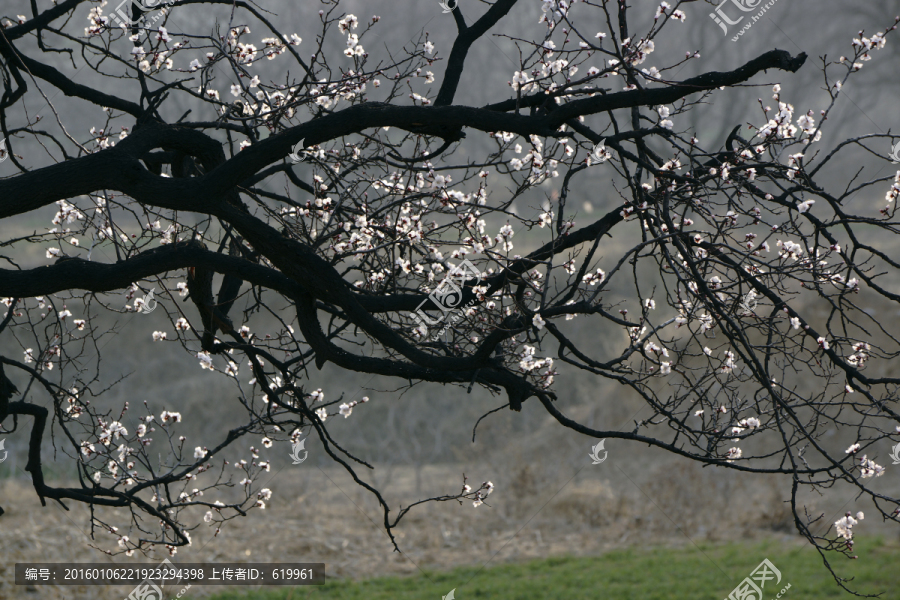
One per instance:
(205, 360)
(167, 416)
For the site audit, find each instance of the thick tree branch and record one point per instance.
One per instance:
(464, 40)
(115, 169)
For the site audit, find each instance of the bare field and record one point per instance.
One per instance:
(318, 515)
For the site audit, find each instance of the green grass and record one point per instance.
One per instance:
(659, 574)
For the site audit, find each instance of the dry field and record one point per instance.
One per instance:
(320, 516)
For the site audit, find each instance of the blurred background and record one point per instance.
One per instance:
(548, 500)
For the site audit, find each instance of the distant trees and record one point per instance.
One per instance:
(330, 197)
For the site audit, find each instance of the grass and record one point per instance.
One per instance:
(658, 574)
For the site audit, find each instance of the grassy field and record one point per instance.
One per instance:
(709, 572)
